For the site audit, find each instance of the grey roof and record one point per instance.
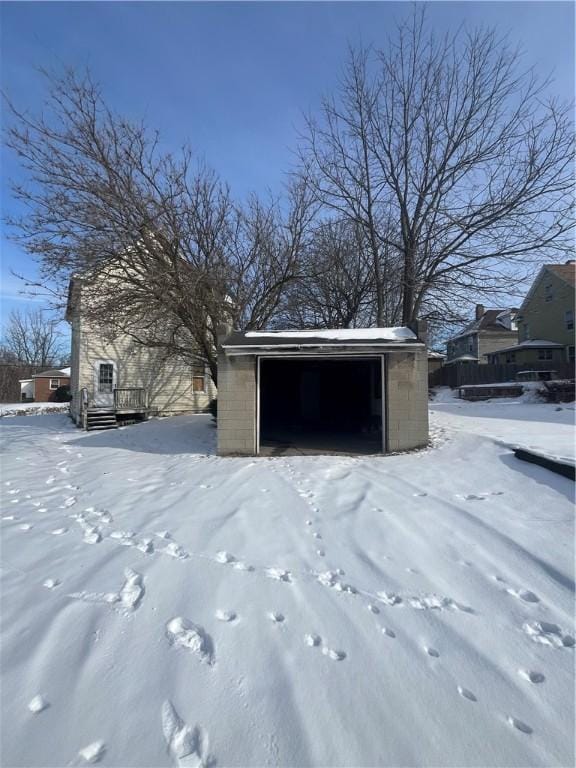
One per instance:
(490, 322)
(529, 344)
(51, 374)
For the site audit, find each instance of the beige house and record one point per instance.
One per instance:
(113, 379)
(491, 330)
(322, 391)
(545, 319)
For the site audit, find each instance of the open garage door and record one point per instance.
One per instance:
(310, 405)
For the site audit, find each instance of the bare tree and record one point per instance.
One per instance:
(168, 254)
(32, 338)
(450, 158)
(335, 288)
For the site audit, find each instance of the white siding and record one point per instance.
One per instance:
(168, 382)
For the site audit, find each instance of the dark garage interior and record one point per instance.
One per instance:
(320, 406)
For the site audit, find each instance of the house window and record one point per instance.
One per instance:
(569, 319)
(470, 344)
(545, 354)
(526, 328)
(54, 383)
(571, 354)
(198, 378)
(105, 378)
(511, 357)
(548, 293)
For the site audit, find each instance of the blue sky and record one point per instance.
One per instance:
(231, 78)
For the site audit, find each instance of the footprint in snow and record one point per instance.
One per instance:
(373, 608)
(38, 704)
(183, 633)
(174, 550)
(524, 594)
(93, 753)
(518, 724)
(276, 618)
(389, 598)
(466, 693)
(320, 553)
(420, 494)
(188, 746)
(50, 480)
(25, 527)
(226, 616)
(334, 654)
(388, 632)
(431, 651)
(59, 531)
(547, 633)
(312, 640)
(51, 583)
(224, 558)
(532, 677)
(125, 601)
(278, 574)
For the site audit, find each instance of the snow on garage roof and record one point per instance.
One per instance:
(333, 337)
(341, 334)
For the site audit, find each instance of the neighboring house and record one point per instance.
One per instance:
(491, 330)
(545, 319)
(116, 379)
(26, 390)
(362, 390)
(41, 387)
(435, 360)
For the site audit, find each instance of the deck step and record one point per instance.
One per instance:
(101, 420)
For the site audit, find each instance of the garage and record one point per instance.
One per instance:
(318, 405)
(344, 391)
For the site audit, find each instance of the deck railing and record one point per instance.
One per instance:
(132, 398)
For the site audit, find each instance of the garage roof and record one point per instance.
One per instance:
(252, 341)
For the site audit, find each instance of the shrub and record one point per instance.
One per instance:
(62, 394)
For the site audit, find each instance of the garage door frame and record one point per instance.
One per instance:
(326, 357)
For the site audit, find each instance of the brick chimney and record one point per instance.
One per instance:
(480, 309)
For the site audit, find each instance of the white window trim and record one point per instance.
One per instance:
(569, 323)
(57, 384)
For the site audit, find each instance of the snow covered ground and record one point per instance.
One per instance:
(546, 428)
(163, 606)
(21, 409)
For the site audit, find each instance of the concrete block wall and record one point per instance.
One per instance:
(407, 400)
(236, 405)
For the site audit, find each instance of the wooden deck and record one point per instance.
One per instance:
(128, 402)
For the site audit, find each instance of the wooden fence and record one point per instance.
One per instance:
(460, 374)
